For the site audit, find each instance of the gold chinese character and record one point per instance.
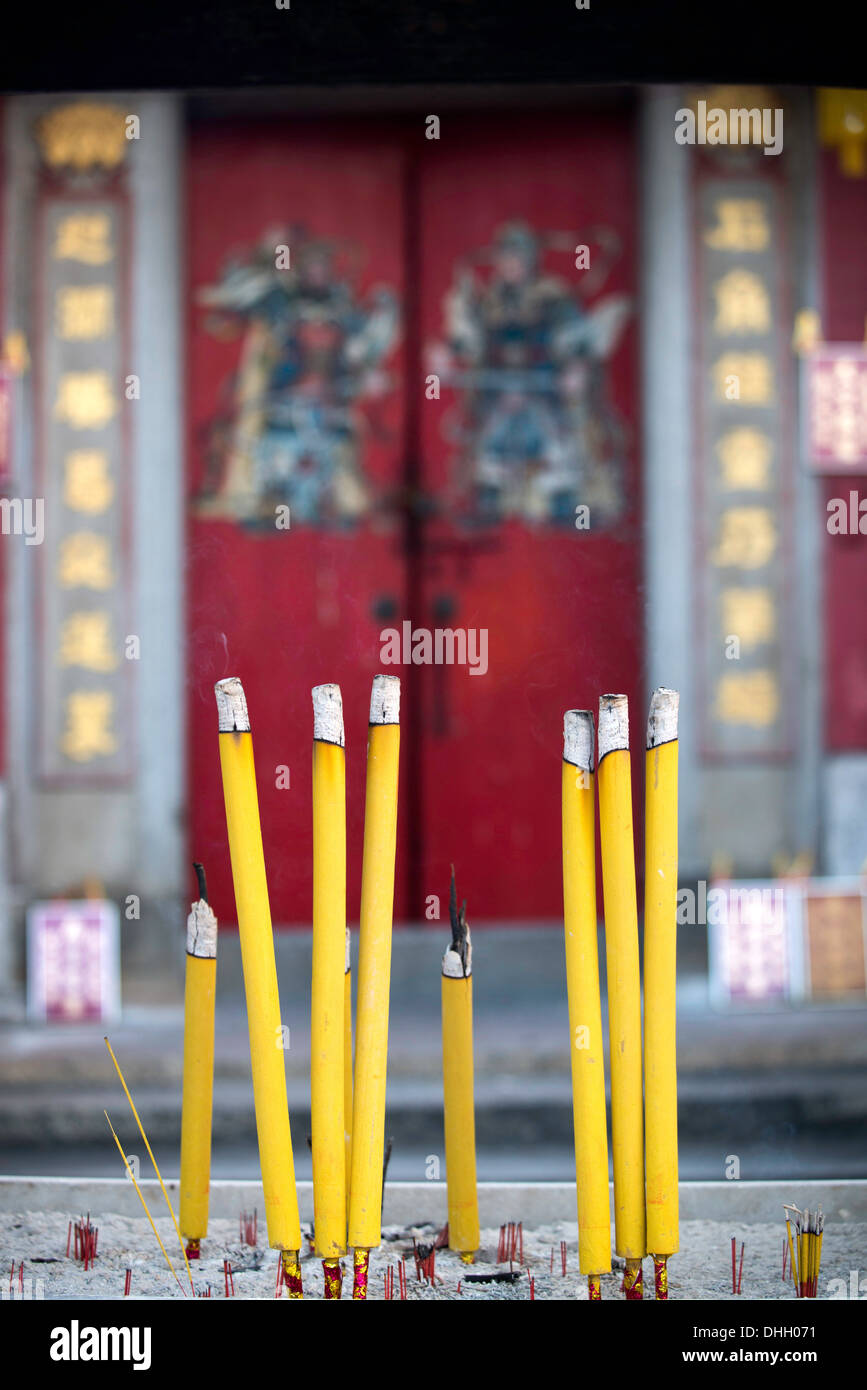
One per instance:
(742, 303)
(742, 225)
(85, 400)
(744, 376)
(748, 697)
(85, 237)
(85, 640)
(85, 312)
(88, 731)
(748, 538)
(87, 483)
(85, 561)
(745, 455)
(749, 614)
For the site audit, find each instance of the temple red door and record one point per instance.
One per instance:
(437, 386)
(296, 457)
(527, 313)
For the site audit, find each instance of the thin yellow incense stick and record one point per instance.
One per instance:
(792, 1259)
(144, 1204)
(152, 1159)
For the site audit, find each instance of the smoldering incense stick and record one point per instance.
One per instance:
(260, 978)
(585, 1012)
(624, 986)
(198, 1082)
(374, 974)
(327, 996)
(460, 1121)
(660, 982)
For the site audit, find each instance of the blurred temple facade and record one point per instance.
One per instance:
(519, 395)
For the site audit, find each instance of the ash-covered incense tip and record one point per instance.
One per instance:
(385, 700)
(232, 706)
(662, 719)
(578, 738)
(348, 953)
(202, 931)
(328, 714)
(613, 724)
(454, 967)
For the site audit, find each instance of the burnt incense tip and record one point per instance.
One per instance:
(202, 931)
(578, 738)
(202, 881)
(328, 714)
(348, 966)
(232, 706)
(385, 700)
(662, 718)
(613, 724)
(458, 959)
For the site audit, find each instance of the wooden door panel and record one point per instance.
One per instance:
(536, 417)
(296, 399)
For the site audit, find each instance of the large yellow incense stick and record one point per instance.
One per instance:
(374, 974)
(460, 1119)
(660, 966)
(585, 1012)
(347, 1067)
(624, 986)
(260, 978)
(198, 1088)
(327, 1001)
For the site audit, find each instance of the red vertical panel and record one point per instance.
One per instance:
(288, 609)
(561, 606)
(844, 269)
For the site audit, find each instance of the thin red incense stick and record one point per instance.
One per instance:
(741, 1270)
(734, 1266)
